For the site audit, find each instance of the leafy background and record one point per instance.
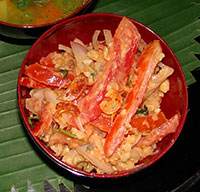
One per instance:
(20, 162)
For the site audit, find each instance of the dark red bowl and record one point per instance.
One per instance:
(83, 27)
(34, 31)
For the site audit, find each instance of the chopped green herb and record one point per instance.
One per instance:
(24, 4)
(33, 117)
(87, 148)
(129, 83)
(143, 111)
(93, 75)
(64, 73)
(68, 133)
(21, 4)
(55, 131)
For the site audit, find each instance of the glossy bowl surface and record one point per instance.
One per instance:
(34, 31)
(83, 27)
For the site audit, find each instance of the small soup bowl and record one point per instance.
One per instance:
(83, 27)
(32, 31)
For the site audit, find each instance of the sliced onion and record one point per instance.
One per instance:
(103, 166)
(79, 124)
(76, 40)
(108, 36)
(50, 96)
(138, 137)
(80, 54)
(65, 48)
(95, 39)
(37, 93)
(157, 79)
(33, 105)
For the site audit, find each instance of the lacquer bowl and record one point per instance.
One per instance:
(83, 27)
(34, 31)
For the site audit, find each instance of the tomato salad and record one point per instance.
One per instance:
(97, 105)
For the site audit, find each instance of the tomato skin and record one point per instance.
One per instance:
(30, 83)
(144, 70)
(47, 76)
(37, 127)
(47, 61)
(103, 123)
(147, 123)
(157, 134)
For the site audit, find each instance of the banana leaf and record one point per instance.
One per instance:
(21, 163)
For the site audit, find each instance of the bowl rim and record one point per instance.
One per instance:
(74, 170)
(48, 24)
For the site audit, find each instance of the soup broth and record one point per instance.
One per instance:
(37, 12)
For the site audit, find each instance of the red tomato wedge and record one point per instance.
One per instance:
(160, 132)
(144, 70)
(37, 127)
(125, 44)
(30, 83)
(48, 76)
(47, 61)
(147, 123)
(102, 122)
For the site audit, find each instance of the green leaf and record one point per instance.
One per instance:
(175, 21)
(21, 4)
(24, 4)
